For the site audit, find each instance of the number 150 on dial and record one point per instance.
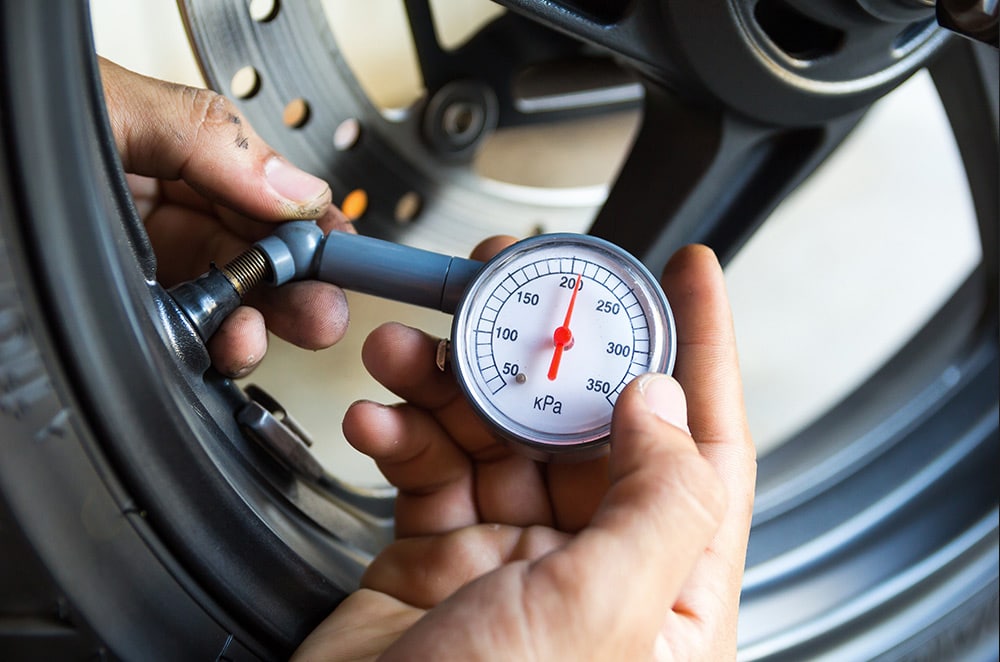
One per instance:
(549, 333)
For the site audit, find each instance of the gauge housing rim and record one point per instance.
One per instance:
(556, 447)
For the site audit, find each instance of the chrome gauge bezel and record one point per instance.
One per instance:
(541, 444)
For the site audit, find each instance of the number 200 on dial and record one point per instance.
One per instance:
(549, 333)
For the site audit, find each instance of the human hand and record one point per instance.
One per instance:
(636, 555)
(207, 187)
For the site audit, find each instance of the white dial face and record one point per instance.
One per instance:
(551, 334)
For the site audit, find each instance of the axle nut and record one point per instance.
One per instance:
(458, 118)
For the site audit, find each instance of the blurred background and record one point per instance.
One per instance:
(828, 289)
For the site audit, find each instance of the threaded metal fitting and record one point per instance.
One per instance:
(246, 270)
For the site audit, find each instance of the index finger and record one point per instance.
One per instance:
(708, 369)
(707, 360)
(173, 131)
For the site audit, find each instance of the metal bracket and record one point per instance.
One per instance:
(442, 356)
(265, 421)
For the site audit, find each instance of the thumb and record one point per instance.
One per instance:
(172, 131)
(664, 505)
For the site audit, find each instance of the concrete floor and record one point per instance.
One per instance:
(834, 282)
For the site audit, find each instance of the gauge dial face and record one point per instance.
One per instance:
(549, 334)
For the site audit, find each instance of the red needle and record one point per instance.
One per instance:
(563, 337)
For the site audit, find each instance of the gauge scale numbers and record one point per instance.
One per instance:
(552, 341)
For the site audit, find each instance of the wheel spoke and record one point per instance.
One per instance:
(968, 83)
(622, 28)
(715, 177)
(537, 74)
(433, 61)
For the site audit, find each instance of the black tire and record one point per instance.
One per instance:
(138, 523)
(124, 535)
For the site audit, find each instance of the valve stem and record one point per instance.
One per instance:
(246, 270)
(207, 300)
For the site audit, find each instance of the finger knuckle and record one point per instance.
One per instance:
(209, 108)
(536, 541)
(464, 552)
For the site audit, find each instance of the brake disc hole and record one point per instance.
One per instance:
(296, 113)
(355, 204)
(347, 134)
(407, 207)
(245, 83)
(263, 11)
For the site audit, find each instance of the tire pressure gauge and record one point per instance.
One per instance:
(545, 336)
(549, 333)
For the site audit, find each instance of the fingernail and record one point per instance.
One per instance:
(665, 398)
(293, 184)
(366, 401)
(248, 366)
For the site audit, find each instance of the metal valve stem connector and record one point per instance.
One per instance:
(246, 270)
(207, 300)
(298, 250)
